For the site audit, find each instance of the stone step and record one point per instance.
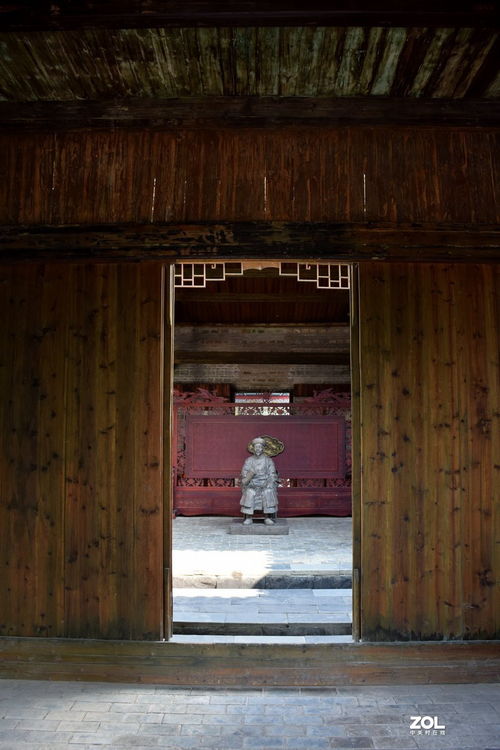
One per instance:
(274, 579)
(284, 640)
(271, 612)
(267, 629)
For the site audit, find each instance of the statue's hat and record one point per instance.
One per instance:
(272, 446)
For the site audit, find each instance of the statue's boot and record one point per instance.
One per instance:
(269, 521)
(248, 520)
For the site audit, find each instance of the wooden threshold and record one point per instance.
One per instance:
(247, 665)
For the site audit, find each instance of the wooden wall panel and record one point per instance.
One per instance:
(31, 451)
(343, 174)
(430, 441)
(82, 475)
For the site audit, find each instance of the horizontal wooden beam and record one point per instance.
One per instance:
(243, 111)
(262, 358)
(247, 664)
(192, 295)
(34, 15)
(294, 241)
(339, 328)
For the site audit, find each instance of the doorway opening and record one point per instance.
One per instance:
(262, 347)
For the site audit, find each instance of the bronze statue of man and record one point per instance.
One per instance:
(259, 481)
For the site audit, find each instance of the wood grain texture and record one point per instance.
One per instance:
(216, 240)
(356, 458)
(430, 443)
(246, 664)
(168, 441)
(161, 63)
(150, 14)
(394, 175)
(32, 451)
(81, 492)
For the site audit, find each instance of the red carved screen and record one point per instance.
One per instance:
(216, 446)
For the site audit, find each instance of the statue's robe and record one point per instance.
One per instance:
(260, 494)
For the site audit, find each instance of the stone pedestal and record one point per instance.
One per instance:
(259, 528)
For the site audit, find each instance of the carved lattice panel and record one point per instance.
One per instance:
(324, 275)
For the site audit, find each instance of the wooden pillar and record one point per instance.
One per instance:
(82, 480)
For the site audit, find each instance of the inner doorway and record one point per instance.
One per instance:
(276, 336)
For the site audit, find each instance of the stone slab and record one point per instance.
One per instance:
(270, 580)
(305, 580)
(259, 528)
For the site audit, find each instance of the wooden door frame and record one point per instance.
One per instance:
(169, 303)
(168, 300)
(355, 450)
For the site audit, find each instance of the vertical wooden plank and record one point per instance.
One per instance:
(250, 179)
(18, 453)
(51, 338)
(480, 180)
(452, 177)
(393, 425)
(84, 501)
(27, 173)
(106, 565)
(319, 173)
(362, 174)
(143, 600)
(376, 529)
(164, 150)
(307, 189)
(279, 176)
(441, 526)
(374, 198)
(479, 326)
(423, 181)
(71, 152)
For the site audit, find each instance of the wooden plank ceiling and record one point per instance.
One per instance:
(93, 64)
(168, 64)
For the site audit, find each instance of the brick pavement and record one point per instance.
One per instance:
(78, 716)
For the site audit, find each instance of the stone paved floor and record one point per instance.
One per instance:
(211, 607)
(74, 715)
(204, 550)
(262, 605)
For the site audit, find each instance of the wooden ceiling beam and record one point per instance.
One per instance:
(247, 112)
(205, 297)
(34, 15)
(262, 358)
(276, 240)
